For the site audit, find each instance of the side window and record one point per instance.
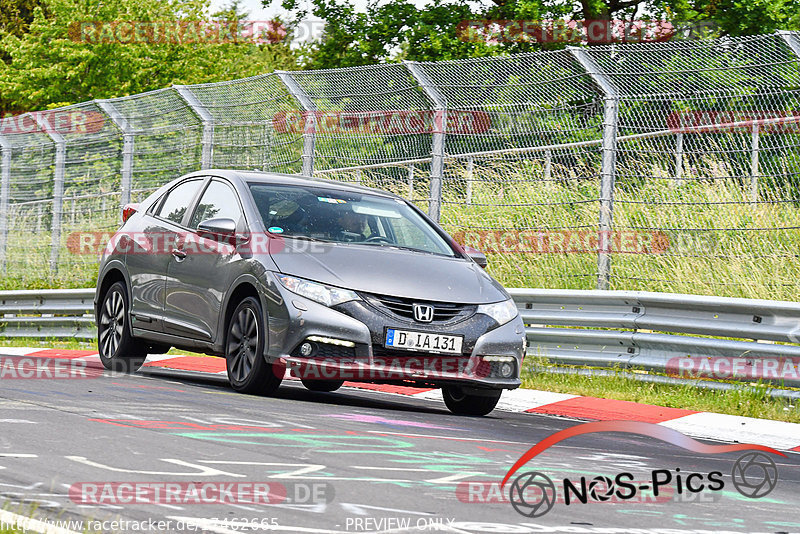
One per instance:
(218, 201)
(177, 202)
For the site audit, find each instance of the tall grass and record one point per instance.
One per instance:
(698, 235)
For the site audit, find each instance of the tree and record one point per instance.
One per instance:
(48, 62)
(16, 15)
(394, 30)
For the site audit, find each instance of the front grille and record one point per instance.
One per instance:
(443, 312)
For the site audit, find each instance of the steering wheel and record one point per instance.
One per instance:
(377, 239)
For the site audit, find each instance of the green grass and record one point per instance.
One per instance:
(698, 236)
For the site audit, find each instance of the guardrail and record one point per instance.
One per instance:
(48, 313)
(681, 335)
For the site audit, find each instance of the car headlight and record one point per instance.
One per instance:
(502, 312)
(327, 295)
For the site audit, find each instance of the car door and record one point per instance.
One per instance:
(149, 256)
(203, 270)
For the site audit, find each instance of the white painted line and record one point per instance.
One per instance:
(520, 400)
(453, 438)
(515, 400)
(17, 351)
(735, 428)
(162, 357)
(17, 455)
(29, 524)
(22, 421)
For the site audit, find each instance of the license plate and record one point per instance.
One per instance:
(423, 341)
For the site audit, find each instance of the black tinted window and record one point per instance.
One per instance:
(177, 201)
(218, 201)
(345, 217)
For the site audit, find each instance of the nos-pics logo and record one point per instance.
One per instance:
(533, 494)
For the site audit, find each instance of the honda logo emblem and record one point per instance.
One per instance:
(423, 313)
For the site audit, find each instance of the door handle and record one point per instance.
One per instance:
(179, 254)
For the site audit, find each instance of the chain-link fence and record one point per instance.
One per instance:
(662, 166)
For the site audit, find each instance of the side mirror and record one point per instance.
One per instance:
(218, 228)
(476, 255)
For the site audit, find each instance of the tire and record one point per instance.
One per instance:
(248, 371)
(325, 386)
(461, 403)
(118, 350)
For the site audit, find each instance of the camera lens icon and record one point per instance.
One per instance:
(532, 494)
(755, 475)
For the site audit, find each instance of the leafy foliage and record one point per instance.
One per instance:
(43, 65)
(396, 30)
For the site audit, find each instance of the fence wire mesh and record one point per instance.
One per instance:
(679, 162)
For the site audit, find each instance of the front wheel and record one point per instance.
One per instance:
(118, 350)
(248, 372)
(462, 403)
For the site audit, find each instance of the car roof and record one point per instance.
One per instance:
(293, 179)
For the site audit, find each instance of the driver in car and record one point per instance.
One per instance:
(353, 226)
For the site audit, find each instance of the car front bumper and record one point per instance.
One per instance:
(347, 343)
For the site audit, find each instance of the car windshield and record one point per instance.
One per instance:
(306, 211)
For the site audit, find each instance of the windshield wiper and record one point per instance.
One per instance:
(394, 245)
(308, 238)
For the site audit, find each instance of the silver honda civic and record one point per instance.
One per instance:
(308, 279)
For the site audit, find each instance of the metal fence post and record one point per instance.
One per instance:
(411, 182)
(207, 158)
(470, 177)
(678, 157)
(310, 126)
(754, 148)
(792, 39)
(58, 188)
(5, 190)
(127, 148)
(548, 166)
(608, 170)
(439, 136)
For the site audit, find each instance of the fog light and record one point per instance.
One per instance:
(490, 358)
(332, 341)
(506, 370)
(306, 349)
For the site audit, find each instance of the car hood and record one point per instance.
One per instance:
(387, 271)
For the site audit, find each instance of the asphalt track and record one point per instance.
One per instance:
(377, 462)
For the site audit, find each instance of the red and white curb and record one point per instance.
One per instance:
(732, 428)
